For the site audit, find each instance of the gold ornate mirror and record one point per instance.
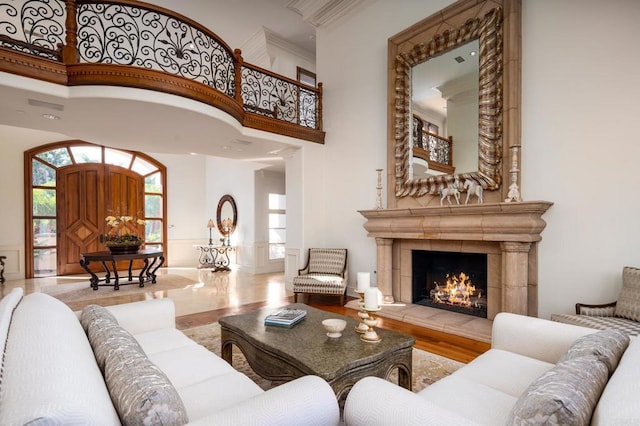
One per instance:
(454, 27)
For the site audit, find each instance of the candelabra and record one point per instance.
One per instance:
(379, 190)
(514, 190)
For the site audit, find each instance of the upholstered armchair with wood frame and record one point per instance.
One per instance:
(623, 314)
(324, 273)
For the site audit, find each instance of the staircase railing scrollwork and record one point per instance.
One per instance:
(135, 44)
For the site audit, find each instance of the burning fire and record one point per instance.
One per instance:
(458, 290)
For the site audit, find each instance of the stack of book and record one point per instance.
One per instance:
(285, 317)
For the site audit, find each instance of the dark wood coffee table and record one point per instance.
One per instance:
(280, 353)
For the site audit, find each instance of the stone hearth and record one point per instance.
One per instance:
(507, 232)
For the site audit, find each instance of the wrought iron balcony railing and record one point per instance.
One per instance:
(134, 44)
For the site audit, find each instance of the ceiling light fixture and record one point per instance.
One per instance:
(51, 117)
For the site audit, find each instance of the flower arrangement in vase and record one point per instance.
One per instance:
(122, 236)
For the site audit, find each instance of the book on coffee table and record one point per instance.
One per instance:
(285, 317)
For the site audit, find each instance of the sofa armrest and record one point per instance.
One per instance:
(373, 401)
(534, 337)
(605, 310)
(307, 400)
(144, 316)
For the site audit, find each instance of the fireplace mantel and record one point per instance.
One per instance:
(512, 230)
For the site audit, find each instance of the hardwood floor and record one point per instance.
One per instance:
(206, 296)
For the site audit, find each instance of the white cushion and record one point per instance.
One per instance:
(504, 371)
(46, 350)
(190, 364)
(217, 393)
(618, 404)
(153, 342)
(475, 401)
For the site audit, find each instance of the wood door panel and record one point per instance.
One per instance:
(80, 211)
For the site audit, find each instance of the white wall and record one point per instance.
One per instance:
(580, 92)
(580, 136)
(352, 64)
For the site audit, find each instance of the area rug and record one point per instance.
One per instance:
(427, 367)
(76, 292)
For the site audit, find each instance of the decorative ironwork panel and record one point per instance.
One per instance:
(308, 109)
(439, 149)
(125, 35)
(36, 27)
(271, 96)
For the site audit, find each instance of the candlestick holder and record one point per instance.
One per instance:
(370, 335)
(379, 190)
(362, 327)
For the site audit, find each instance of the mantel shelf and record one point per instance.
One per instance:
(517, 222)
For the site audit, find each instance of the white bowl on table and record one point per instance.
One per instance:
(334, 327)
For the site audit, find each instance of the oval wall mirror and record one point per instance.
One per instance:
(226, 215)
(486, 30)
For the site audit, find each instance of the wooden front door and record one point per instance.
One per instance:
(80, 212)
(87, 195)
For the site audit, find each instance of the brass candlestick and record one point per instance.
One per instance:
(370, 335)
(362, 327)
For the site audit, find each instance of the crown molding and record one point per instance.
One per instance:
(257, 49)
(322, 12)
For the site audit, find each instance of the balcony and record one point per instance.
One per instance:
(139, 45)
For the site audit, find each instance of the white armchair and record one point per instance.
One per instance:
(324, 273)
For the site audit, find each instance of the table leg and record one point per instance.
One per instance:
(404, 377)
(130, 265)
(94, 280)
(107, 276)
(226, 349)
(143, 272)
(116, 281)
(152, 270)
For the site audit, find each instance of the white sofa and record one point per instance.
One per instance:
(51, 375)
(536, 372)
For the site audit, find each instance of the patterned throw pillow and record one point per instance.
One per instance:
(95, 313)
(628, 305)
(105, 334)
(141, 393)
(606, 345)
(565, 395)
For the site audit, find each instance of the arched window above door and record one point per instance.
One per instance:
(74, 186)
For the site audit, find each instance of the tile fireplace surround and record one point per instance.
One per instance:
(507, 232)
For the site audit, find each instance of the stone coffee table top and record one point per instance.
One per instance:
(281, 353)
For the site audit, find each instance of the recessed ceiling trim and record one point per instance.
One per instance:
(44, 104)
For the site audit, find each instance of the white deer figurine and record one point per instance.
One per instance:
(448, 192)
(473, 189)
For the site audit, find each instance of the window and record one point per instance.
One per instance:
(277, 226)
(306, 77)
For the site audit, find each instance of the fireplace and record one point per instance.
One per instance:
(507, 233)
(451, 281)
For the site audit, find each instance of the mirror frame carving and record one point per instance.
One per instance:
(495, 24)
(226, 199)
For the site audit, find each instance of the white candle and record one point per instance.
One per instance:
(363, 281)
(371, 298)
